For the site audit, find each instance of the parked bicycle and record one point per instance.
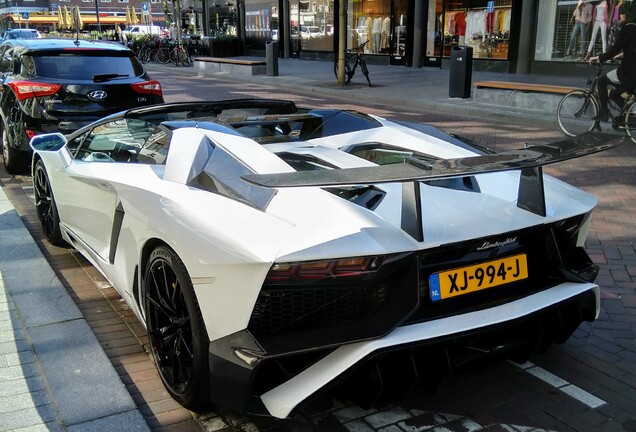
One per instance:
(577, 111)
(180, 56)
(353, 58)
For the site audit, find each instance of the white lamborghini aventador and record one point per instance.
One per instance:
(274, 252)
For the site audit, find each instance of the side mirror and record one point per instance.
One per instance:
(48, 142)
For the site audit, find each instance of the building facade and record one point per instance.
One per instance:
(530, 36)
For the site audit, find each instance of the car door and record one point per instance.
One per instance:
(105, 160)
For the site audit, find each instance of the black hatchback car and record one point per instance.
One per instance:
(59, 85)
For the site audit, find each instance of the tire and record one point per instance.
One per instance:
(365, 71)
(177, 336)
(630, 122)
(187, 60)
(15, 161)
(45, 206)
(348, 73)
(576, 112)
(163, 55)
(152, 56)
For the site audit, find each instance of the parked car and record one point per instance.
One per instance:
(274, 252)
(21, 34)
(307, 32)
(135, 30)
(60, 85)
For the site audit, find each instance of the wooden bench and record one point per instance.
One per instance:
(211, 65)
(538, 97)
(524, 87)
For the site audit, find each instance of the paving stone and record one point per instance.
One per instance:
(27, 417)
(17, 402)
(358, 425)
(384, 418)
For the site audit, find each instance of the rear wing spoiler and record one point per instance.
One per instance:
(529, 161)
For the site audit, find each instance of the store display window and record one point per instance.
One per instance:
(261, 23)
(576, 29)
(370, 21)
(482, 25)
(312, 25)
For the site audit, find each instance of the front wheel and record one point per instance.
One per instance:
(45, 206)
(177, 336)
(576, 112)
(630, 122)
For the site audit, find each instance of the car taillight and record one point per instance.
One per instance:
(314, 270)
(30, 133)
(148, 87)
(30, 89)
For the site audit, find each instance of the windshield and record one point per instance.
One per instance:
(22, 34)
(80, 66)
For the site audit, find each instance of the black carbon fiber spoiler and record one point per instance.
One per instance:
(529, 160)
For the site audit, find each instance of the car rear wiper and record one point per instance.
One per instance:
(107, 77)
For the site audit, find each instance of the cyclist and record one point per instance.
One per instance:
(624, 77)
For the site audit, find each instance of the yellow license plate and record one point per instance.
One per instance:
(464, 280)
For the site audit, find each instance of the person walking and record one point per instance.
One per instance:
(624, 77)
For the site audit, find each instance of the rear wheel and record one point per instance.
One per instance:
(15, 161)
(630, 122)
(163, 55)
(365, 70)
(177, 336)
(45, 206)
(348, 74)
(576, 113)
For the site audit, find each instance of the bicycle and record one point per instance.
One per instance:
(577, 111)
(353, 58)
(179, 56)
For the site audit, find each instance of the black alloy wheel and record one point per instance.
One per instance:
(177, 336)
(45, 206)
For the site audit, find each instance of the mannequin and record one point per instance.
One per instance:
(377, 31)
(601, 20)
(582, 16)
(614, 23)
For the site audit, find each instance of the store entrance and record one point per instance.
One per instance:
(434, 34)
(399, 34)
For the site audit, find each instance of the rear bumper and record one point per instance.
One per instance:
(417, 354)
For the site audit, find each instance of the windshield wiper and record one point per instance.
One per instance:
(107, 77)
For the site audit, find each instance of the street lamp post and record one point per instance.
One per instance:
(99, 25)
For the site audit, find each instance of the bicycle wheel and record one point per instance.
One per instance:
(630, 121)
(365, 70)
(576, 112)
(186, 60)
(163, 55)
(152, 55)
(173, 57)
(348, 72)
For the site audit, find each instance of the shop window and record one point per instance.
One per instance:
(566, 29)
(312, 25)
(471, 23)
(369, 23)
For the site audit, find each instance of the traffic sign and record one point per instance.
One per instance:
(144, 6)
(491, 6)
(24, 15)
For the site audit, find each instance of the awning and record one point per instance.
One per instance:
(52, 19)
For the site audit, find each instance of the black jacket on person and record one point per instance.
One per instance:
(626, 43)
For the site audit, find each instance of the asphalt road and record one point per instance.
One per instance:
(587, 384)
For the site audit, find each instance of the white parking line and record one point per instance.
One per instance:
(570, 389)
